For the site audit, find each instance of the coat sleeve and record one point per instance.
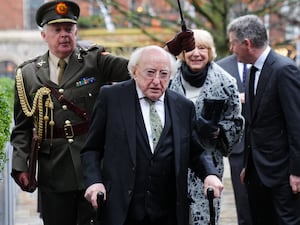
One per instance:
(200, 162)
(21, 134)
(93, 150)
(232, 122)
(288, 90)
(114, 67)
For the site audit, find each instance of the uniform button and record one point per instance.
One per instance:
(90, 94)
(61, 90)
(129, 192)
(133, 169)
(65, 107)
(148, 192)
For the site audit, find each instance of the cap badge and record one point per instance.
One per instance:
(61, 8)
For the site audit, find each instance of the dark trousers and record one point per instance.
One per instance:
(66, 208)
(272, 206)
(170, 220)
(236, 162)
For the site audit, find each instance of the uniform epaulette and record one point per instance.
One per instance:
(93, 47)
(27, 62)
(98, 47)
(84, 49)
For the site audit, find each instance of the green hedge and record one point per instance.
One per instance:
(6, 109)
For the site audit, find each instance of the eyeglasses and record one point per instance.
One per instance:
(150, 73)
(202, 49)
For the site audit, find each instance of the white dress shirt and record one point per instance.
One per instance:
(160, 108)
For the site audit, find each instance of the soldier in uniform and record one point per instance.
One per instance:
(55, 102)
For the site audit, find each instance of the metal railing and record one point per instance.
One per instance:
(7, 191)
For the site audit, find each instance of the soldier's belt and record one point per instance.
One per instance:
(69, 131)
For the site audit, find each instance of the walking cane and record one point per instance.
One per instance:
(100, 202)
(212, 213)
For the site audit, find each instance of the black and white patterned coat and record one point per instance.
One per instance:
(218, 85)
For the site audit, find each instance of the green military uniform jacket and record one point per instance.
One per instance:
(59, 166)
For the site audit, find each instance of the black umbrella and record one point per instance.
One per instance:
(183, 26)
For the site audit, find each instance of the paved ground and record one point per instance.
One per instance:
(26, 213)
(228, 211)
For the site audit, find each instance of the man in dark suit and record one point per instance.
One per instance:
(236, 158)
(144, 183)
(272, 115)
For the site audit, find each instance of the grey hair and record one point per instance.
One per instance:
(44, 28)
(251, 27)
(137, 53)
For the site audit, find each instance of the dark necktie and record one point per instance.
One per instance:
(245, 69)
(251, 85)
(62, 66)
(155, 122)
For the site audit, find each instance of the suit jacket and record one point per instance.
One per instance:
(59, 161)
(273, 133)
(112, 141)
(229, 64)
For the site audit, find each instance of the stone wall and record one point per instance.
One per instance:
(17, 46)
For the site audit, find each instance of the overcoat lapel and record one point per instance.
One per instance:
(237, 76)
(76, 63)
(174, 116)
(263, 81)
(43, 71)
(128, 97)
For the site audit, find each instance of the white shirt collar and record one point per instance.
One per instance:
(262, 58)
(55, 59)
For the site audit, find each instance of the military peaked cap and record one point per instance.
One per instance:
(57, 12)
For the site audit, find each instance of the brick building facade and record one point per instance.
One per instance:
(20, 14)
(11, 15)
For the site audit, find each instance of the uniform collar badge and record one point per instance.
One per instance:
(40, 63)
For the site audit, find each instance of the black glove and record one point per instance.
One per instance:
(184, 40)
(22, 179)
(207, 129)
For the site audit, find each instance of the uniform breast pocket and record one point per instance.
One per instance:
(86, 95)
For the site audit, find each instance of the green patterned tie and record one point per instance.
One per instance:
(155, 122)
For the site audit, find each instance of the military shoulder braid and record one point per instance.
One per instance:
(36, 110)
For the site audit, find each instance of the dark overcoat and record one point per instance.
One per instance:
(112, 141)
